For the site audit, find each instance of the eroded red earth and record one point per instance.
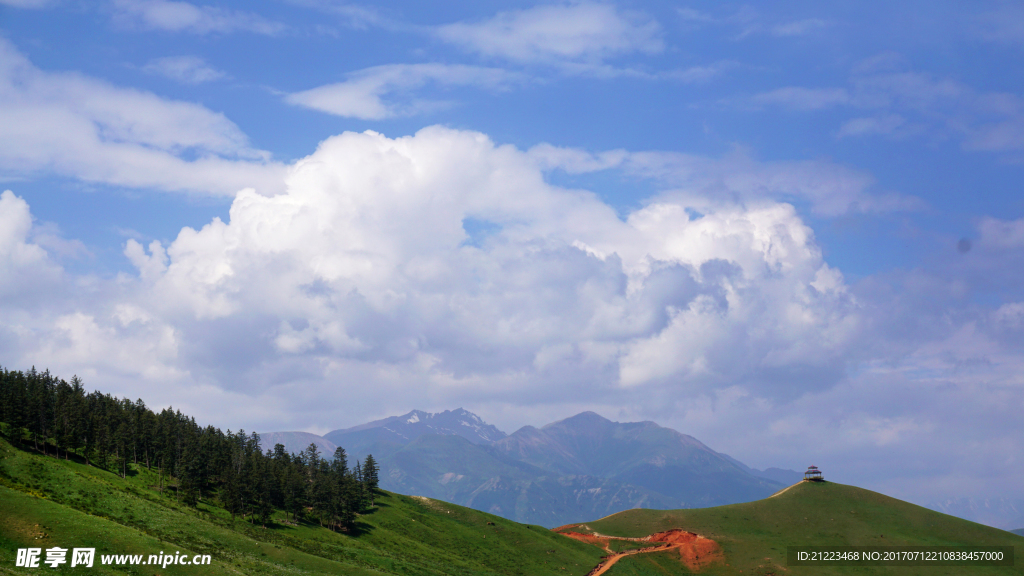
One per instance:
(695, 551)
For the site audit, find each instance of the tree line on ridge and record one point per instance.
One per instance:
(60, 419)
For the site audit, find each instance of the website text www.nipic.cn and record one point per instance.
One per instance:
(86, 557)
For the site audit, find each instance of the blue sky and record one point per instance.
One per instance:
(794, 231)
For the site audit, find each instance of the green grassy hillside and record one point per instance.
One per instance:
(754, 535)
(46, 502)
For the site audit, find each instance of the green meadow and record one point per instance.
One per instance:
(754, 536)
(47, 502)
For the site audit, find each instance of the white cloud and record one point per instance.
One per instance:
(186, 69)
(589, 32)
(384, 91)
(1002, 233)
(25, 266)
(365, 259)
(798, 320)
(185, 17)
(86, 128)
(367, 268)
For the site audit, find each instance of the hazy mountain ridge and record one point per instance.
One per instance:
(584, 466)
(453, 469)
(780, 475)
(546, 474)
(295, 442)
(1002, 513)
(398, 430)
(641, 454)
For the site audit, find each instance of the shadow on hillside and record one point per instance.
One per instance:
(50, 450)
(47, 449)
(359, 529)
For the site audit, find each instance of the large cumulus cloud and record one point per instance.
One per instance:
(450, 257)
(441, 269)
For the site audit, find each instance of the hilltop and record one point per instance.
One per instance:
(753, 536)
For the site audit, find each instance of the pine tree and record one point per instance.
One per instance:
(370, 476)
(116, 432)
(340, 463)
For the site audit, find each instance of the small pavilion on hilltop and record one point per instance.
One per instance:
(813, 474)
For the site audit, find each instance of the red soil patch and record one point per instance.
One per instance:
(695, 551)
(589, 539)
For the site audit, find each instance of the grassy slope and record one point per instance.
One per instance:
(754, 535)
(47, 502)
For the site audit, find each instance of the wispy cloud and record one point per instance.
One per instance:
(588, 32)
(799, 27)
(800, 98)
(691, 15)
(85, 128)
(26, 3)
(385, 91)
(185, 17)
(186, 69)
(907, 102)
(353, 15)
(1004, 24)
(699, 74)
(749, 22)
(885, 124)
(831, 189)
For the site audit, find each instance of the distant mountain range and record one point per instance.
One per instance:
(585, 466)
(296, 442)
(1002, 513)
(389, 434)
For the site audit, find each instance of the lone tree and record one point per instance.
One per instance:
(370, 479)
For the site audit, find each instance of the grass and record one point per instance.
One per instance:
(652, 564)
(45, 502)
(754, 535)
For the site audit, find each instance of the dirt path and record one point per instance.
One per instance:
(786, 489)
(694, 550)
(608, 562)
